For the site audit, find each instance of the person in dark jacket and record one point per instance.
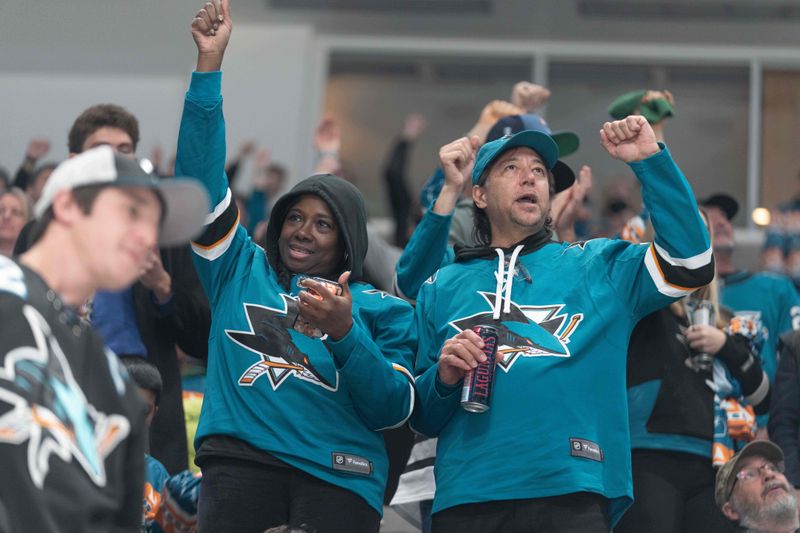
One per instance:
(164, 309)
(784, 421)
(72, 433)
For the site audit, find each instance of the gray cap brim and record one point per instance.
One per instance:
(186, 204)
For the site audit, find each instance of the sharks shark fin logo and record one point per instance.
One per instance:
(382, 294)
(49, 411)
(269, 337)
(526, 330)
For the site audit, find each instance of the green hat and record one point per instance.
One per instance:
(654, 110)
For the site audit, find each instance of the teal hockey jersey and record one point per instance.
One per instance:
(316, 404)
(558, 421)
(771, 301)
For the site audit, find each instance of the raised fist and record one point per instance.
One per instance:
(630, 139)
(211, 30)
(457, 159)
(328, 136)
(529, 96)
(37, 149)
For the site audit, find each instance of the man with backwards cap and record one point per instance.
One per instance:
(552, 453)
(752, 490)
(72, 435)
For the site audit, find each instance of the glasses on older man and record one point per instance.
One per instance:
(750, 473)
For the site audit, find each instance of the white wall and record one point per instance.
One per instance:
(267, 90)
(46, 105)
(264, 86)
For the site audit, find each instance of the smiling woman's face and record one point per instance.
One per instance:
(309, 239)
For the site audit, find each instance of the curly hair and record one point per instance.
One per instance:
(102, 116)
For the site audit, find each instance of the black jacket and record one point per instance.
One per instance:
(784, 419)
(184, 322)
(72, 431)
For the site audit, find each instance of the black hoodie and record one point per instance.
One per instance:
(347, 205)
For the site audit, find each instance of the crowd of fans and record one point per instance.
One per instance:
(644, 382)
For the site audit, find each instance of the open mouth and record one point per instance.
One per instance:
(299, 251)
(527, 199)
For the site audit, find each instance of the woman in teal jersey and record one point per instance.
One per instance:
(301, 379)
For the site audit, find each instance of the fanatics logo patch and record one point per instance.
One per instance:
(586, 449)
(354, 464)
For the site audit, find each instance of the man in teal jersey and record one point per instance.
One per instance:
(553, 452)
(769, 299)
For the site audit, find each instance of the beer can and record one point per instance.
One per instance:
(302, 326)
(332, 286)
(477, 389)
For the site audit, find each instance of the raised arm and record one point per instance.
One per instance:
(201, 150)
(427, 250)
(679, 260)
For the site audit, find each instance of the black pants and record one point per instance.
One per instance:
(245, 496)
(580, 511)
(673, 492)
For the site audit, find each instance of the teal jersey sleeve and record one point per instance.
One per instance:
(201, 154)
(680, 259)
(375, 359)
(426, 252)
(436, 402)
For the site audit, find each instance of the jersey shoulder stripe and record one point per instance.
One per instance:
(671, 278)
(219, 232)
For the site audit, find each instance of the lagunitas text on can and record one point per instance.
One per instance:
(477, 390)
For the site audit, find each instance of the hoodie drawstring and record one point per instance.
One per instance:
(510, 277)
(508, 274)
(499, 288)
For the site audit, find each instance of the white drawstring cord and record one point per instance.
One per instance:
(500, 274)
(510, 278)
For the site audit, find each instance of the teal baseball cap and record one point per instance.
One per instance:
(539, 142)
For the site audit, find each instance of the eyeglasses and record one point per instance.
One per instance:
(749, 474)
(11, 212)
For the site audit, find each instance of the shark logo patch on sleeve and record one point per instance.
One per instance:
(279, 356)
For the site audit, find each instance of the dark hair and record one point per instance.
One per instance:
(102, 116)
(144, 374)
(482, 229)
(84, 196)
